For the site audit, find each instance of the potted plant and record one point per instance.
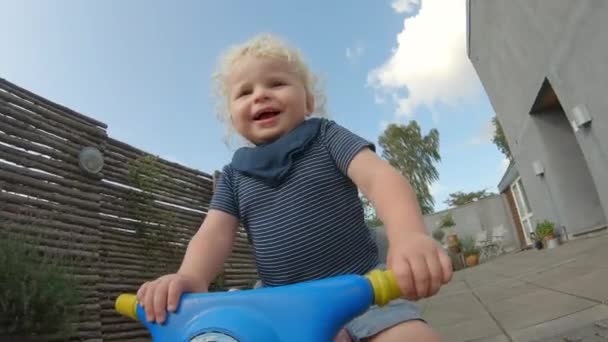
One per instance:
(545, 230)
(470, 252)
(438, 235)
(538, 242)
(446, 223)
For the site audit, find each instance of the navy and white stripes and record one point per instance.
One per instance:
(312, 225)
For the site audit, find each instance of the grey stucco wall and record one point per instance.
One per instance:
(486, 216)
(567, 183)
(379, 235)
(514, 45)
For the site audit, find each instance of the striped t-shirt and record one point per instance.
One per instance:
(310, 226)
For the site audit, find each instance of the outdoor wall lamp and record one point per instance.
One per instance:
(90, 160)
(539, 168)
(580, 117)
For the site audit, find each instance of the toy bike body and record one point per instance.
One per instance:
(303, 312)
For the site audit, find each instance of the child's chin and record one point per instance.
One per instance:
(268, 137)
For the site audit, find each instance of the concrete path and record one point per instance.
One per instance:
(547, 295)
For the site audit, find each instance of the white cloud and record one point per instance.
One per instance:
(429, 64)
(405, 6)
(485, 134)
(378, 99)
(383, 125)
(355, 52)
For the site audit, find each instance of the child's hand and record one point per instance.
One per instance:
(420, 265)
(162, 294)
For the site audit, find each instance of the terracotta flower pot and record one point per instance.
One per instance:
(549, 237)
(453, 243)
(453, 240)
(472, 260)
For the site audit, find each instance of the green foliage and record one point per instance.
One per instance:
(145, 174)
(371, 218)
(535, 237)
(459, 198)
(218, 284)
(500, 140)
(438, 234)
(38, 295)
(468, 247)
(447, 221)
(414, 155)
(544, 229)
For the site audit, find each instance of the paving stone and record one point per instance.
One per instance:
(581, 325)
(546, 295)
(459, 317)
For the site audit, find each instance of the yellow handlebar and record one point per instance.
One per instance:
(385, 286)
(126, 304)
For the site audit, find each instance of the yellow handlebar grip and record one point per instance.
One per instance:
(126, 304)
(385, 286)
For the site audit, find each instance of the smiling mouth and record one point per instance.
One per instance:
(267, 114)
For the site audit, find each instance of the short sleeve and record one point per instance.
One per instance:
(224, 198)
(343, 145)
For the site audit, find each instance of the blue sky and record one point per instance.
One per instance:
(143, 68)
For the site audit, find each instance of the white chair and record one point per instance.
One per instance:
(482, 242)
(497, 241)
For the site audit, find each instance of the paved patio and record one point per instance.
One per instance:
(547, 295)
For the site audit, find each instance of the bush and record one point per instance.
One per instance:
(438, 234)
(544, 229)
(468, 247)
(217, 285)
(447, 221)
(37, 295)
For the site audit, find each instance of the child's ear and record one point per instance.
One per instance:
(310, 104)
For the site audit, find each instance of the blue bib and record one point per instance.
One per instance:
(271, 162)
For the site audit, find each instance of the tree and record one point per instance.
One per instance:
(414, 155)
(499, 139)
(459, 198)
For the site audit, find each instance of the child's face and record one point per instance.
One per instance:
(267, 99)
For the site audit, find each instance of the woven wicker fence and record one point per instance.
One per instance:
(125, 225)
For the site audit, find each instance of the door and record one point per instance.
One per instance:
(523, 208)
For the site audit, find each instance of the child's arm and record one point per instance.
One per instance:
(419, 264)
(390, 193)
(209, 248)
(206, 253)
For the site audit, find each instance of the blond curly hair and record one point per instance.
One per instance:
(266, 46)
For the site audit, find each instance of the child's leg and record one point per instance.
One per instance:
(400, 320)
(343, 336)
(408, 331)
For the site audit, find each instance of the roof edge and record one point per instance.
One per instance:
(508, 177)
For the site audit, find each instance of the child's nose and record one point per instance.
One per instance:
(261, 95)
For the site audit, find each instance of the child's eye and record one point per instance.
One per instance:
(242, 93)
(277, 83)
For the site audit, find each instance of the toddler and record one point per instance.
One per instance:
(295, 189)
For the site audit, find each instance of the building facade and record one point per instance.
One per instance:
(544, 66)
